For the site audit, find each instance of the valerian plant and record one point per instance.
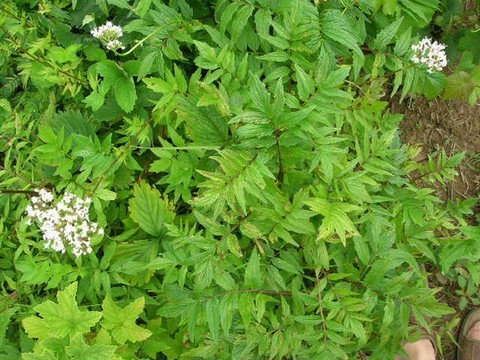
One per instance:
(243, 166)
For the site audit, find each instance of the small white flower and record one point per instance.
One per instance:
(46, 196)
(108, 35)
(64, 224)
(107, 30)
(114, 45)
(431, 54)
(30, 211)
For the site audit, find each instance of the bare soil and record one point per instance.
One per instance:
(453, 126)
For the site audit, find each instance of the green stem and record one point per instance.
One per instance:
(181, 147)
(120, 156)
(254, 291)
(139, 43)
(28, 192)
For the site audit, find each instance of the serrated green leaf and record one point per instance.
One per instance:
(204, 124)
(253, 275)
(362, 249)
(241, 174)
(434, 84)
(403, 43)
(125, 93)
(213, 317)
(146, 64)
(306, 85)
(106, 194)
(240, 21)
(5, 316)
(227, 15)
(246, 307)
(277, 56)
(61, 319)
(149, 210)
(385, 36)
(208, 57)
(335, 27)
(389, 312)
(276, 41)
(335, 218)
(78, 350)
(459, 86)
(123, 4)
(110, 71)
(285, 265)
(72, 122)
(121, 321)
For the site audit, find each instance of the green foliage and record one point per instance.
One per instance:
(149, 210)
(62, 319)
(256, 198)
(61, 327)
(121, 322)
(459, 29)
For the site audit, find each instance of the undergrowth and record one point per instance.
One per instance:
(254, 196)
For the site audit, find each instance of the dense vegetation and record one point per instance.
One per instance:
(250, 195)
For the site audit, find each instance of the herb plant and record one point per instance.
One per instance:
(252, 194)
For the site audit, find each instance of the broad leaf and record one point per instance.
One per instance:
(335, 218)
(335, 27)
(385, 36)
(149, 210)
(60, 319)
(78, 350)
(121, 321)
(125, 93)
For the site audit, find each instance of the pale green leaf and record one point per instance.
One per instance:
(125, 93)
(121, 321)
(110, 71)
(385, 36)
(335, 219)
(213, 317)
(305, 83)
(78, 350)
(335, 27)
(240, 21)
(5, 316)
(459, 85)
(57, 320)
(149, 210)
(253, 274)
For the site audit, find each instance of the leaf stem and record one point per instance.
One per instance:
(181, 147)
(254, 291)
(122, 153)
(139, 43)
(280, 161)
(28, 192)
(21, 177)
(320, 306)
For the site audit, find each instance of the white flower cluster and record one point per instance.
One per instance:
(431, 54)
(109, 34)
(64, 223)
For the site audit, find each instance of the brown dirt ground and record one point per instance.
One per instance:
(454, 126)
